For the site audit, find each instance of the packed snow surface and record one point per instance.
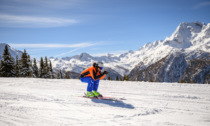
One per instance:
(52, 102)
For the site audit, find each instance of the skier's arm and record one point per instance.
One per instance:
(104, 75)
(95, 76)
(84, 74)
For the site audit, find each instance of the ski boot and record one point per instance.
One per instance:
(90, 94)
(97, 94)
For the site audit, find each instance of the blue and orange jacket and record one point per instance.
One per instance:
(92, 72)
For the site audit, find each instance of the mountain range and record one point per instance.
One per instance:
(182, 57)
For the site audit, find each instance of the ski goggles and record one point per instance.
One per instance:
(101, 68)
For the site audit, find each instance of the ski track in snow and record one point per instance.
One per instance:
(46, 102)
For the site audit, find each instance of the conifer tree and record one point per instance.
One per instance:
(17, 67)
(46, 69)
(59, 75)
(0, 68)
(125, 78)
(41, 69)
(117, 78)
(35, 69)
(24, 65)
(109, 78)
(30, 69)
(51, 71)
(67, 75)
(7, 64)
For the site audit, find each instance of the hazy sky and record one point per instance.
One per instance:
(63, 28)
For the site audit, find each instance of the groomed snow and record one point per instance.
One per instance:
(46, 102)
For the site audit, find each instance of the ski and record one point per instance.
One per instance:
(105, 98)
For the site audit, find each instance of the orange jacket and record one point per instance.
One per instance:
(92, 72)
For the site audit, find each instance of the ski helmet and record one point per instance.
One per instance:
(99, 65)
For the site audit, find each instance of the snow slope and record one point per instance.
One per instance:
(45, 102)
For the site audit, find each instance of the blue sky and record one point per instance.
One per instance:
(63, 28)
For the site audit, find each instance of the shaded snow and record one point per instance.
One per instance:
(45, 102)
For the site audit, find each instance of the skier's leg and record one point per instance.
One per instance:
(90, 82)
(96, 84)
(95, 88)
(85, 79)
(90, 85)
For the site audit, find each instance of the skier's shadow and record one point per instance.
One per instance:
(120, 104)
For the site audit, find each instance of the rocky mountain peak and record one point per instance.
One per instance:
(184, 34)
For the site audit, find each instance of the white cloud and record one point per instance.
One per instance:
(57, 4)
(41, 48)
(79, 45)
(200, 5)
(33, 21)
(65, 53)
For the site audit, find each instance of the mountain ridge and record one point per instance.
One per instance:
(189, 41)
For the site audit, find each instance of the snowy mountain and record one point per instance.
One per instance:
(189, 41)
(174, 56)
(80, 62)
(12, 51)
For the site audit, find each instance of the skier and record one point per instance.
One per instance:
(92, 76)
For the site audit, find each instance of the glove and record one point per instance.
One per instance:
(105, 72)
(82, 75)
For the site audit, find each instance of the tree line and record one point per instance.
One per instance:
(124, 78)
(24, 67)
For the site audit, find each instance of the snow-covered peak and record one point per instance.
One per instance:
(187, 38)
(201, 42)
(205, 33)
(184, 34)
(83, 57)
